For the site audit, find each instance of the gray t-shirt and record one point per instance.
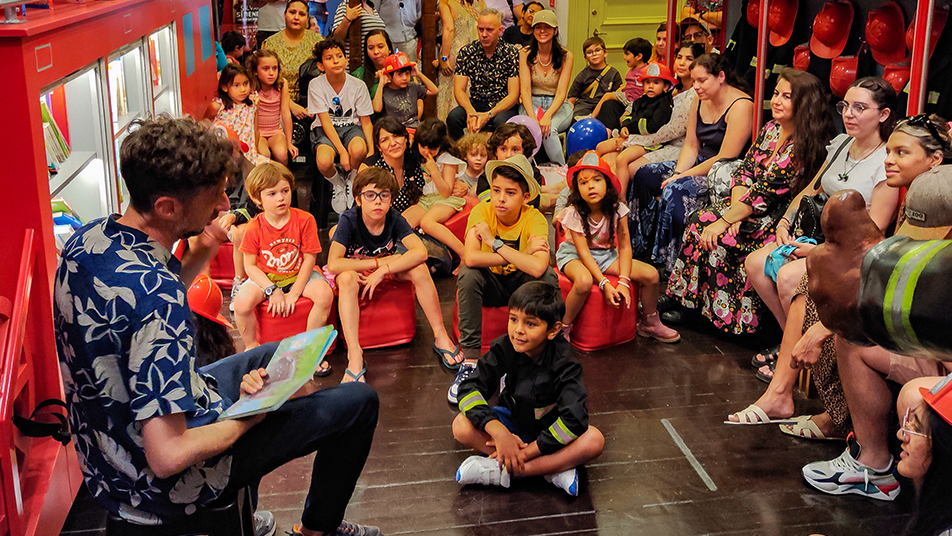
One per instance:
(401, 104)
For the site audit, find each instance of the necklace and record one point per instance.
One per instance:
(542, 63)
(845, 176)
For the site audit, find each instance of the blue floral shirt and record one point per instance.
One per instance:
(125, 338)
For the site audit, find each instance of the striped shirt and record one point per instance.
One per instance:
(368, 22)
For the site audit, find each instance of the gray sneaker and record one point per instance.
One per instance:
(845, 475)
(235, 285)
(264, 523)
(339, 191)
(353, 529)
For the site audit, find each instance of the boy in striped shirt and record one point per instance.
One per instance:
(540, 427)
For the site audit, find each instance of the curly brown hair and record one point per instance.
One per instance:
(813, 124)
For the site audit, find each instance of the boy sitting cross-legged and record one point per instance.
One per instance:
(342, 107)
(541, 426)
(280, 249)
(363, 254)
(507, 244)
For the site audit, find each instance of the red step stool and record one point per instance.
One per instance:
(457, 224)
(495, 324)
(599, 325)
(222, 266)
(389, 319)
(275, 328)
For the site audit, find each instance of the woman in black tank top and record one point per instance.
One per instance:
(719, 128)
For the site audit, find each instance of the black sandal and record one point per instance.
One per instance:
(765, 357)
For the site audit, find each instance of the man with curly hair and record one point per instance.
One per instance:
(144, 419)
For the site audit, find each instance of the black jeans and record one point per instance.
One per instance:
(480, 287)
(337, 423)
(456, 119)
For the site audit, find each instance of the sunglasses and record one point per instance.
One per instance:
(923, 121)
(907, 427)
(338, 110)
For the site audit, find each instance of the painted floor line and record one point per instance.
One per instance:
(698, 468)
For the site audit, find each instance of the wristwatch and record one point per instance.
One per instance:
(270, 290)
(497, 243)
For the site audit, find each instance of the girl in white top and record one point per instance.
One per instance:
(867, 110)
(627, 153)
(442, 193)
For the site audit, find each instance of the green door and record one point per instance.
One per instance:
(615, 21)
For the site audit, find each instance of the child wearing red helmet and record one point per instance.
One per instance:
(397, 95)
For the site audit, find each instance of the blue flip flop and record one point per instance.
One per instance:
(356, 377)
(445, 356)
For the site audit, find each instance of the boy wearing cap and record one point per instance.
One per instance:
(397, 95)
(507, 244)
(540, 427)
(694, 29)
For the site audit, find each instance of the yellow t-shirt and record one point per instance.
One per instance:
(531, 223)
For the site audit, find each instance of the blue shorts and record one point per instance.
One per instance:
(505, 417)
(346, 134)
(568, 252)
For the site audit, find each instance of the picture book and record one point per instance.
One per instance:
(292, 365)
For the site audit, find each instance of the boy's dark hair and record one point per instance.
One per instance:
(172, 157)
(432, 134)
(637, 46)
(212, 340)
(228, 75)
(379, 177)
(511, 174)
(541, 300)
(232, 40)
(506, 131)
(327, 44)
(593, 40)
(574, 158)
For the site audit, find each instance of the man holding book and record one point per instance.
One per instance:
(145, 421)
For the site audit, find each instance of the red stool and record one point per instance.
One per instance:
(599, 325)
(390, 318)
(457, 224)
(275, 328)
(222, 266)
(495, 324)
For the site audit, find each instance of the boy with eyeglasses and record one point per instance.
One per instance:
(594, 81)
(363, 253)
(342, 107)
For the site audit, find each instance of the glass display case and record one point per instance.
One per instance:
(166, 96)
(77, 149)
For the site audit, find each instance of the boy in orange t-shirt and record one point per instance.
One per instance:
(280, 249)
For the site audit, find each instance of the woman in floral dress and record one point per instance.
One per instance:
(709, 272)
(459, 28)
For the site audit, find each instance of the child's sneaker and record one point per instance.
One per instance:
(235, 286)
(346, 529)
(566, 481)
(844, 474)
(339, 191)
(651, 326)
(465, 371)
(264, 523)
(482, 470)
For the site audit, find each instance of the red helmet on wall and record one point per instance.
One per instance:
(831, 28)
(753, 13)
(939, 18)
(842, 74)
(801, 57)
(897, 74)
(780, 18)
(884, 33)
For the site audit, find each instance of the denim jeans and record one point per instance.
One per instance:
(337, 423)
(561, 121)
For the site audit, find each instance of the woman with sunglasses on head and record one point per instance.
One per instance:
(912, 149)
(854, 162)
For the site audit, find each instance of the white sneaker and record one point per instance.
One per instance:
(566, 481)
(235, 285)
(264, 523)
(339, 193)
(482, 470)
(349, 185)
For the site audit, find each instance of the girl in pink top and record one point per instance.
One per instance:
(274, 107)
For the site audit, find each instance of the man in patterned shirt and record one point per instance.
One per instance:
(490, 67)
(144, 420)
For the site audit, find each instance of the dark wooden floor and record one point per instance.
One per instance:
(646, 397)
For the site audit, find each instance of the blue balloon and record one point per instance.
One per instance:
(584, 135)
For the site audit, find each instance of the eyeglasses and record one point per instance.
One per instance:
(593, 52)
(696, 36)
(857, 108)
(370, 196)
(906, 427)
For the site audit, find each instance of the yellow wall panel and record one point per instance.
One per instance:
(616, 21)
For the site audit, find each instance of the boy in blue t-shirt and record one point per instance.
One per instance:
(540, 427)
(363, 253)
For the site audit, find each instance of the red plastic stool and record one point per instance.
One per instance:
(457, 224)
(495, 324)
(390, 318)
(222, 266)
(599, 325)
